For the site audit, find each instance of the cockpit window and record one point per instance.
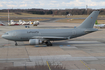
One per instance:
(6, 33)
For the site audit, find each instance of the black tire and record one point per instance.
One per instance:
(48, 43)
(15, 44)
(51, 44)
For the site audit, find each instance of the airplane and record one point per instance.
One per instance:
(1, 24)
(35, 23)
(99, 25)
(44, 36)
(12, 23)
(26, 23)
(20, 22)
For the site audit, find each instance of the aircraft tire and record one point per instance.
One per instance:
(49, 43)
(16, 44)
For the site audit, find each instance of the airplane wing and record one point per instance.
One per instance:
(49, 37)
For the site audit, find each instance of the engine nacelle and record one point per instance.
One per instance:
(35, 41)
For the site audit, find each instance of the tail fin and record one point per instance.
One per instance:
(90, 20)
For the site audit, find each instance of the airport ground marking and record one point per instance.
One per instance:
(48, 65)
(85, 64)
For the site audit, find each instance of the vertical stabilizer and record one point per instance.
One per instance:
(90, 20)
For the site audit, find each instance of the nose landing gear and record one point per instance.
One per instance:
(16, 43)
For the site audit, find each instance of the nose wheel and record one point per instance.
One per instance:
(16, 43)
(48, 43)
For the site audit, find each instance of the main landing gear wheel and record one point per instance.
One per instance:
(16, 43)
(48, 43)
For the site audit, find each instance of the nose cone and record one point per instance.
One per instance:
(3, 36)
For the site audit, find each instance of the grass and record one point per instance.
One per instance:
(28, 15)
(70, 21)
(30, 19)
(78, 21)
(2, 14)
(17, 19)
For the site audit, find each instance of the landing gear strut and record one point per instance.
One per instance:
(16, 43)
(48, 43)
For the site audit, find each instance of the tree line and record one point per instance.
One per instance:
(55, 11)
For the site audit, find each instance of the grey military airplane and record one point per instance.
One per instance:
(44, 36)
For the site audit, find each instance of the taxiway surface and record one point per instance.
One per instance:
(82, 53)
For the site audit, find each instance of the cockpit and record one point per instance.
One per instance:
(9, 35)
(6, 33)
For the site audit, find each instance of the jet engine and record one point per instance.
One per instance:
(35, 41)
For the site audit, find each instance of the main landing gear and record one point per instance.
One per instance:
(16, 43)
(48, 43)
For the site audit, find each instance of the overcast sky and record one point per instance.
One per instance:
(51, 4)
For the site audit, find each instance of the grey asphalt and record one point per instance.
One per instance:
(90, 49)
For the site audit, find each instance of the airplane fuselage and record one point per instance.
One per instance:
(26, 34)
